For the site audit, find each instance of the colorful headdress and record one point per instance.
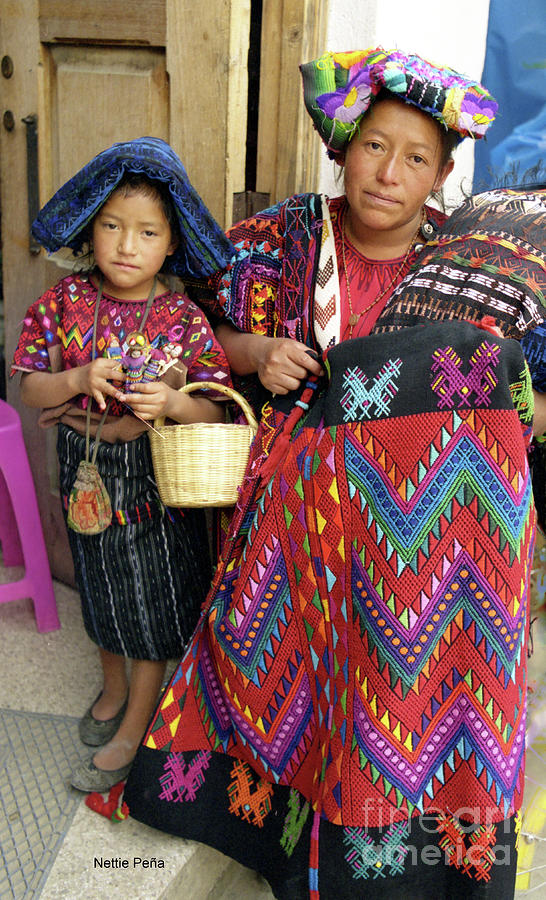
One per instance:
(338, 88)
(203, 247)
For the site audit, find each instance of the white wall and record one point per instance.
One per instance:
(443, 32)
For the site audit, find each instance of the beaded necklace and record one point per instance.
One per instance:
(354, 317)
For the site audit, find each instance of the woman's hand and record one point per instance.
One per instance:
(282, 364)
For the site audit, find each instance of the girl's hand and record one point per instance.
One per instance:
(149, 400)
(94, 379)
(284, 363)
(155, 398)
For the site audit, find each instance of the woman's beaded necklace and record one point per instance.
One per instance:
(355, 316)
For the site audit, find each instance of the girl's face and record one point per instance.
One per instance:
(391, 167)
(131, 238)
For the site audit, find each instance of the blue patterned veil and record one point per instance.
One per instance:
(203, 247)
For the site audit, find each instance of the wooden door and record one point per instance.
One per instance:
(77, 76)
(293, 31)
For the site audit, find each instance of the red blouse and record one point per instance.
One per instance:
(368, 278)
(57, 331)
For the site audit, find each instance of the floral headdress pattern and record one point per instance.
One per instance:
(338, 88)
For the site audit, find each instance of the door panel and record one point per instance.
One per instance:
(103, 21)
(293, 31)
(100, 71)
(129, 99)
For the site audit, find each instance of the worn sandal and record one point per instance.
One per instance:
(88, 777)
(96, 732)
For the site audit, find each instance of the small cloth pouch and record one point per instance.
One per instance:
(89, 507)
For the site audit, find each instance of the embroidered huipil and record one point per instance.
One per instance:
(57, 331)
(362, 656)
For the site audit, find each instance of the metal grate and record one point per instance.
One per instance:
(37, 804)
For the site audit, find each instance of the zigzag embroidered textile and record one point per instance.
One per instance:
(266, 287)
(57, 331)
(366, 644)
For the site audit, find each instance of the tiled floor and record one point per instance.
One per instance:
(58, 674)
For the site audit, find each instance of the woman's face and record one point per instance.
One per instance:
(392, 166)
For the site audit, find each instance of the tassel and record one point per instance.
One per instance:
(488, 323)
(110, 808)
(282, 441)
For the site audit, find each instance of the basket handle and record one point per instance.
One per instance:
(221, 388)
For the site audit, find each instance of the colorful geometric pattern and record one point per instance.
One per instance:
(488, 258)
(249, 798)
(263, 289)
(58, 331)
(294, 822)
(340, 87)
(250, 698)
(367, 645)
(473, 855)
(181, 782)
(361, 401)
(376, 861)
(284, 280)
(451, 381)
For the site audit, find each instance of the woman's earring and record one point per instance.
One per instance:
(427, 230)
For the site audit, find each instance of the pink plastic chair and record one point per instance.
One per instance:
(21, 532)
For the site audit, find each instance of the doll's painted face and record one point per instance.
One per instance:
(131, 238)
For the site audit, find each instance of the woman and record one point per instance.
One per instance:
(393, 158)
(320, 728)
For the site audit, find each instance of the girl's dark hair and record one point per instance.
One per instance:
(133, 183)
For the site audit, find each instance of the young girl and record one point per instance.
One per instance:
(142, 579)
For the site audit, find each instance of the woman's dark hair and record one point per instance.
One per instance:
(450, 140)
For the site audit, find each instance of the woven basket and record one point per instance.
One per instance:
(202, 464)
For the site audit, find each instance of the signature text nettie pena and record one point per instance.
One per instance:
(117, 862)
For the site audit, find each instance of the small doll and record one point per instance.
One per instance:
(134, 358)
(172, 351)
(113, 350)
(155, 365)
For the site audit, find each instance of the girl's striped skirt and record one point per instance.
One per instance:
(143, 579)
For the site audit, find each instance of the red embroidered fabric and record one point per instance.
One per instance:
(63, 318)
